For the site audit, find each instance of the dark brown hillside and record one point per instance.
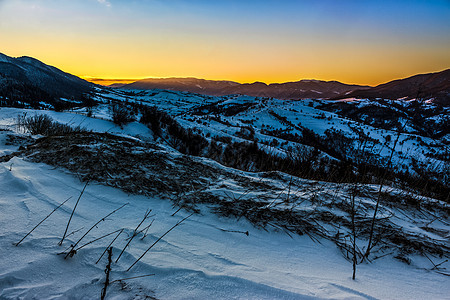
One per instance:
(287, 90)
(423, 86)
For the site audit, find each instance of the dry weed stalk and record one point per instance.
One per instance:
(72, 250)
(107, 272)
(97, 239)
(135, 232)
(110, 244)
(71, 215)
(148, 249)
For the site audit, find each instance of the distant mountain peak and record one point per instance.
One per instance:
(309, 88)
(421, 86)
(431, 85)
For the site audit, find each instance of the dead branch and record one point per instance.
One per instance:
(131, 278)
(237, 231)
(71, 251)
(71, 215)
(135, 233)
(110, 244)
(107, 272)
(146, 230)
(97, 239)
(177, 224)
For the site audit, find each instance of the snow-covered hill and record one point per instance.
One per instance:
(416, 134)
(253, 235)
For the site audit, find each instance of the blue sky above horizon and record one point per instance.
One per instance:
(365, 42)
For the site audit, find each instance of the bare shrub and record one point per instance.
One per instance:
(121, 114)
(37, 124)
(45, 125)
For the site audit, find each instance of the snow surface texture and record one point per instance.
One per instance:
(197, 260)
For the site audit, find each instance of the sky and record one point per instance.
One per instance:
(352, 41)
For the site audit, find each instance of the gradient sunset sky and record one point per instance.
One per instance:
(352, 41)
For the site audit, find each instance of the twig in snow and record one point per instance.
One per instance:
(75, 231)
(446, 274)
(380, 256)
(107, 271)
(237, 231)
(17, 244)
(135, 233)
(146, 230)
(372, 225)
(97, 239)
(72, 251)
(71, 215)
(181, 206)
(110, 244)
(131, 278)
(148, 249)
(435, 267)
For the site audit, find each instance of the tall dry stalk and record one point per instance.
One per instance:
(71, 215)
(148, 249)
(72, 250)
(135, 233)
(383, 178)
(107, 272)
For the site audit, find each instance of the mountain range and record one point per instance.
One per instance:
(27, 79)
(423, 86)
(287, 90)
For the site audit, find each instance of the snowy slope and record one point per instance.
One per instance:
(206, 257)
(227, 115)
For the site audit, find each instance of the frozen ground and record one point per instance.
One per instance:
(197, 260)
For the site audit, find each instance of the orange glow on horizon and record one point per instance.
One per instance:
(352, 68)
(230, 40)
(108, 81)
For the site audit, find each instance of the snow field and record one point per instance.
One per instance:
(197, 260)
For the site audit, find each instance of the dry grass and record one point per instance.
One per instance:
(270, 201)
